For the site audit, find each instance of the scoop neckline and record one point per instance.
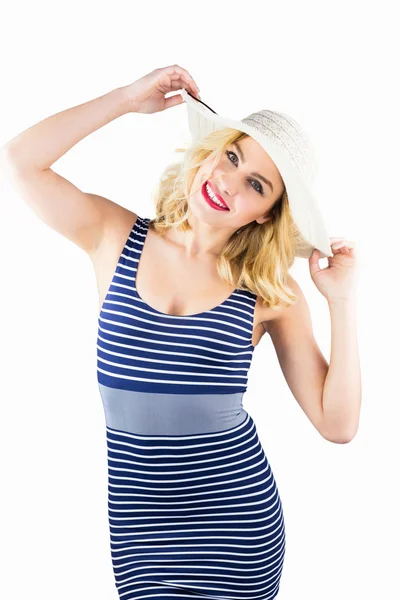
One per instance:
(146, 223)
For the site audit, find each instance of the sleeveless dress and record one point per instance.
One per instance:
(194, 509)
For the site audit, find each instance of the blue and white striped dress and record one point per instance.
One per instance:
(194, 509)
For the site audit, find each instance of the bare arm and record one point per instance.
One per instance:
(41, 145)
(84, 218)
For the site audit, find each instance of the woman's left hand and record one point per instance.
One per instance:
(337, 281)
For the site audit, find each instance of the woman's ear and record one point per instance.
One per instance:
(262, 220)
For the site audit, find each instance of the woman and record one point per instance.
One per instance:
(184, 298)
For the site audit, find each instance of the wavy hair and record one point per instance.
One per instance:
(256, 257)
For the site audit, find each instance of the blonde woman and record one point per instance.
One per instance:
(184, 298)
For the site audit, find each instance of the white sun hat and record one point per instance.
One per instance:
(290, 149)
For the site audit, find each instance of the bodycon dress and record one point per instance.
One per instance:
(194, 509)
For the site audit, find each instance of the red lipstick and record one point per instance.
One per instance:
(208, 199)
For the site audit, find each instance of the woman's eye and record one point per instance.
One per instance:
(229, 153)
(259, 187)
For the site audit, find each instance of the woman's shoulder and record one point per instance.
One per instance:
(269, 315)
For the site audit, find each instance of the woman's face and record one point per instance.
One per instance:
(246, 194)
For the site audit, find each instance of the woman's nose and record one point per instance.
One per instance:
(227, 186)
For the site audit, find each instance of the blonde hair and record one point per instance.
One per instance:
(256, 257)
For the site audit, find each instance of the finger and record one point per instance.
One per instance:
(175, 71)
(173, 101)
(190, 80)
(344, 250)
(178, 84)
(343, 242)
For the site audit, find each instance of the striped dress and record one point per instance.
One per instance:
(194, 509)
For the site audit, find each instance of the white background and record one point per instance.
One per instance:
(332, 67)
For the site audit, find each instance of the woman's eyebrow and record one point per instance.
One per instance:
(238, 148)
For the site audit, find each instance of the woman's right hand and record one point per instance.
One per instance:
(147, 94)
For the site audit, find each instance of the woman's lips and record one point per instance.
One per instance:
(216, 194)
(208, 199)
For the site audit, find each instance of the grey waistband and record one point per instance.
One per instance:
(171, 414)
